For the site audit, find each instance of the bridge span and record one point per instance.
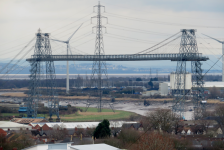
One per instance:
(125, 57)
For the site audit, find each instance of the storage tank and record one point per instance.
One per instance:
(188, 81)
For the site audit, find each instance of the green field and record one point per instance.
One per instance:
(97, 116)
(93, 116)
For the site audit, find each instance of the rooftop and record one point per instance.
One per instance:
(94, 147)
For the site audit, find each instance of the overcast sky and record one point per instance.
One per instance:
(133, 26)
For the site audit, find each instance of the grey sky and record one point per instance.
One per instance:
(20, 19)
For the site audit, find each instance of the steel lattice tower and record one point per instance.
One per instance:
(198, 82)
(188, 45)
(34, 92)
(99, 67)
(42, 49)
(53, 103)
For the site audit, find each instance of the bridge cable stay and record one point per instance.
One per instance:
(17, 62)
(212, 52)
(159, 43)
(17, 55)
(162, 45)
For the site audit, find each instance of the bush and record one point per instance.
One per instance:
(128, 136)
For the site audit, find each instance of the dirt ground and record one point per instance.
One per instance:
(21, 95)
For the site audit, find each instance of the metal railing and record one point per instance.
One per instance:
(130, 57)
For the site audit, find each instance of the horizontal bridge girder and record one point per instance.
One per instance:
(129, 57)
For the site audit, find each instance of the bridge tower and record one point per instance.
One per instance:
(99, 67)
(34, 87)
(42, 48)
(188, 45)
(53, 103)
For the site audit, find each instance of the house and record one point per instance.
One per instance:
(136, 126)
(2, 133)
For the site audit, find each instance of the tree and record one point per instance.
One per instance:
(219, 113)
(58, 132)
(154, 141)
(102, 130)
(214, 92)
(138, 79)
(162, 119)
(150, 84)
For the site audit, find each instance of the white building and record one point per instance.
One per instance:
(68, 146)
(7, 125)
(82, 125)
(163, 90)
(188, 81)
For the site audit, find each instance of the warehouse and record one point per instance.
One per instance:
(7, 125)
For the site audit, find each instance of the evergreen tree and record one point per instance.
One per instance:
(102, 130)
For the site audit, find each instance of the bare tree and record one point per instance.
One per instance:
(163, 119)
(154, 141)
(115, 127)
(214, 92)
(219, 113)
(58, 133)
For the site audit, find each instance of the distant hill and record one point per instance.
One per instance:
(87, 68)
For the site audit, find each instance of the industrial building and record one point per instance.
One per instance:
(7, 126)
(163, 90)
(73, 125)
(173, 82)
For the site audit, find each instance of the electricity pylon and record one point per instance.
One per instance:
(68, 49)
(99, 67)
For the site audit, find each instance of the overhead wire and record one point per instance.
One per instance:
(159, 13)
(160, 22)
(48, 27)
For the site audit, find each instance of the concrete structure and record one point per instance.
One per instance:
(163, 90)
(7, 125)
(151, 93)
(188, 81)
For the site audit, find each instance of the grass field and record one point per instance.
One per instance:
(91, 115)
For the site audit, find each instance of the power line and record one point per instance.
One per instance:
(161, 13)
(159, 22)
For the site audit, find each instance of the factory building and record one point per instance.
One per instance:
(173, 82)
(163, 90)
